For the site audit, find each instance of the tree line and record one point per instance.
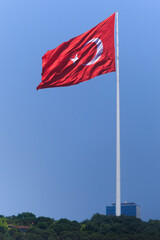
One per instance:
(26, 226)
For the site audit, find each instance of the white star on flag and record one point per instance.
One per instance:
(74, 59)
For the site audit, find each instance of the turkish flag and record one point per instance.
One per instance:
(81, 58)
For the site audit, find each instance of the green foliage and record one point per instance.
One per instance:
(13, 231)
(24, 218)
(64, 225)
(18, 236)
(99, 227)
(2, 230)
(26, 215)
(3, 222)
(69, 236)
(32, 236)
(2, 236)
(3, 225)
(43, 222)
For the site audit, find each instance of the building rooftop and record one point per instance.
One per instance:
(125, 203)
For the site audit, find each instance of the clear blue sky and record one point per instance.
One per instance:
(57, 146)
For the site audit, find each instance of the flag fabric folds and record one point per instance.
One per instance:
(81, 58)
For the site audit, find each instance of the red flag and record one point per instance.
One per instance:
(81, 58)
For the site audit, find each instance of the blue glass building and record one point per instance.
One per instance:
(127, 209)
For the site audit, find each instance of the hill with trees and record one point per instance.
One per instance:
(26, 226)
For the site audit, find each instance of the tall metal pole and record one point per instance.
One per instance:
(118, 185)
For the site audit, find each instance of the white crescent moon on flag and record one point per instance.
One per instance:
(98, 53)
(99, 50)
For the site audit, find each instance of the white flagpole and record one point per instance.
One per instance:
(118, 185)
